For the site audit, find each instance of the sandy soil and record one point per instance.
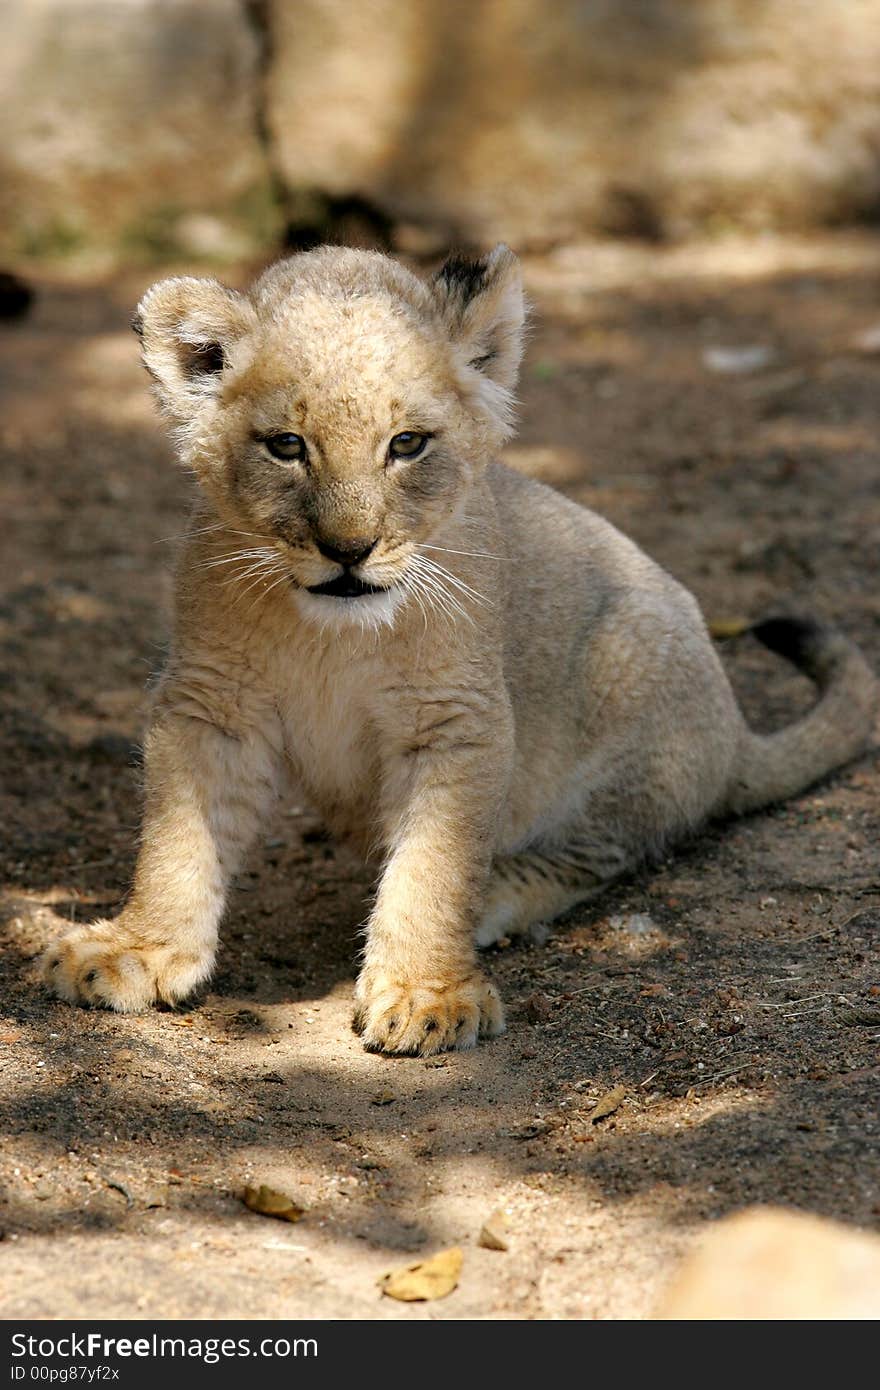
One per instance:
(734, 991)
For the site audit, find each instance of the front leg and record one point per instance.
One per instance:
(420, 989)
(206, 789)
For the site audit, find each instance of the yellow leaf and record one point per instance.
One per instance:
(434, 1278)
(723, 629)
(267, 1201)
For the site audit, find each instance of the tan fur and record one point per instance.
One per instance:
(530, 709)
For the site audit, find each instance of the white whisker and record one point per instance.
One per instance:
(180, 535)
(447, 581)
(263, 562)
(412, 585)
(476, 554)
(460, 584)
(262, 577)
(204, 531)
(241, 588)
(434, 589)
(422, 594)
(411, 588)
(265, 592)
(256, 553)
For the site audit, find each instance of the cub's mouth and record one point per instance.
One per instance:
(346, 586)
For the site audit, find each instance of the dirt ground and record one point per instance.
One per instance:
(733, 991)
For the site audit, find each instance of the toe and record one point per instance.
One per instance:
(91, 967)
(491, 1013)
(423, 1020)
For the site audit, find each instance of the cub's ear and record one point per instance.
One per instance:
(188, 328)
(482, 305)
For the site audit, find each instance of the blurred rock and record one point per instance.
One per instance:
(732, 361)
(154, 129)
(518, 120)
(769, 1263)
(122, 121)
(16, 296)
(868, 341)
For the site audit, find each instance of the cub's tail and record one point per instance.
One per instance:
(837, 728)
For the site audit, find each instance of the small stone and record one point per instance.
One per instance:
(493, 1233)
(868, 341)
(538, 1007)
(737, 361)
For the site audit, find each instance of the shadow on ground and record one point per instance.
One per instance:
(733, 991)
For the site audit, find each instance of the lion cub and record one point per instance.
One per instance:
(470, 676)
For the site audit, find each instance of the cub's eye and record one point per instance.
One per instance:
(289, 447)
(407, 445)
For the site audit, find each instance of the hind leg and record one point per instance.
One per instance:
(538, 885)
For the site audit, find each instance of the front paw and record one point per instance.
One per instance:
(428, 1016)
(110, 965)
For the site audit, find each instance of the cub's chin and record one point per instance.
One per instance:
(349, 603)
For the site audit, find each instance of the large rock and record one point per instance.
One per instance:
(133, 125)
(529, 121)
(141, 125)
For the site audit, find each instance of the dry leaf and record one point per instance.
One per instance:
(10, 1035)
(183, 1021)
(268, 1201)
(383, 1098)
(434, 1278)
(607, 1104)
(493, 1235)
(867, 1017)
(723, 629)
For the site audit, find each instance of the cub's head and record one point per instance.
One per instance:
(339, 411)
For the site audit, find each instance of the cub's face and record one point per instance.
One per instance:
(339, 411)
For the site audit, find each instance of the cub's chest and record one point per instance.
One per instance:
(330, 734)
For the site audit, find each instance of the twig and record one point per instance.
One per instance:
(120, 1187)
(722, 1075)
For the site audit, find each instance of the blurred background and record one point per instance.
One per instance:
(694, 189)
(217, 128)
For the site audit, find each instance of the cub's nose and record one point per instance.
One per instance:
(349, 552)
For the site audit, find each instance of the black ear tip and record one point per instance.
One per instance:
(137, 323)
(464, 276)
